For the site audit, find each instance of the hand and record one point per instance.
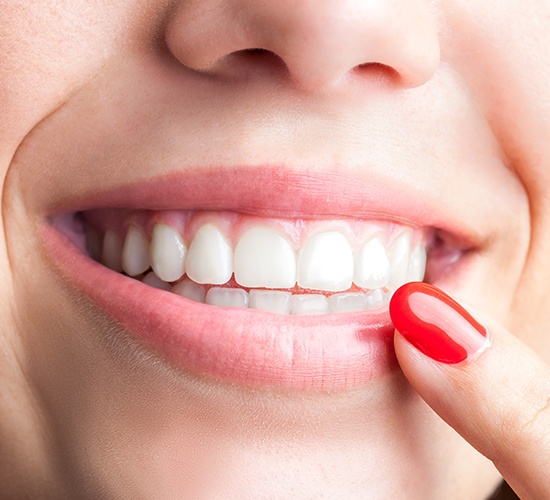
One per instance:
(484, 382)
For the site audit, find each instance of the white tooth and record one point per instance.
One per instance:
(270, 300)
(417, 264)
(326, 262)
(264, 259)
(227, 297)
(399, 260)
(372, 266)
(209, 259)
(308, 304)
(153, 280)
(135, 253)
(167, 253)
(112, 251)
(190, 290)
(376, 298)
(347, 302)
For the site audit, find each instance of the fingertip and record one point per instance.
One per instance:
(437, 325)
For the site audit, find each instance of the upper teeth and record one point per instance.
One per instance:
(168, 253)
(262, 257)
(210, 258)
(326, 262)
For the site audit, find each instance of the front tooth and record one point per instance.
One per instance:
(135, 253)
(347, 302)
(376, 298)
(326, 263)
(209, 259)
(372, 266)
(190, 290)
(227, 297)
(417, 264)
(399, 260)
(112, 251)
(309, 304)
(270, 300)
(167, 253)
(264, 259)
(153, 280)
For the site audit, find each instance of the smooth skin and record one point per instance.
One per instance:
(450, 98)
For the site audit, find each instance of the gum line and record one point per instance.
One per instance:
(233, 225)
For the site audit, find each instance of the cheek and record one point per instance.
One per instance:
(502, 53)
(49, 50)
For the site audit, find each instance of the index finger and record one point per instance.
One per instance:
(486, 384)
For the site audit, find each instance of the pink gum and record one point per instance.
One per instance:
(233, 225)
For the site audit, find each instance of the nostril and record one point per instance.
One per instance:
(255, 59)
(255, 52)
(257, 55)
(379, 71)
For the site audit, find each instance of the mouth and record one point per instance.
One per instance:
(227, 259)
(289, 288)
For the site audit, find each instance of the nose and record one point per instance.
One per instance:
(322, 43)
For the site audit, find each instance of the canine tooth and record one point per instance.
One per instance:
(326, 262)
(308, 304)
(153, 280)
(347, 302)
(417, 264)
(227, 297)
(376, 298)
(270, 300)
(209, 259)
(190, 290)
(135, 252)
(264, 258)
(167, 253)
(112, 251)
(399, 260)
(372, 266)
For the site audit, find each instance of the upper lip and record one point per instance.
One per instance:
(276, 191)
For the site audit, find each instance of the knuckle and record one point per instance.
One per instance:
(541, 414)
(527, 426)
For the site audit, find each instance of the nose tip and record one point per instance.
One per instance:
(321, 42)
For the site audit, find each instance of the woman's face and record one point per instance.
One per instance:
(328, 144)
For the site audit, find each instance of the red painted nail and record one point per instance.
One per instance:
(436, 324)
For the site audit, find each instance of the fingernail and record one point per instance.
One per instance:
(436, 324)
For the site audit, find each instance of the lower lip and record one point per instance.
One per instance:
(251, 348)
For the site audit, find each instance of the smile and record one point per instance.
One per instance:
(282, 266)
(262, 291)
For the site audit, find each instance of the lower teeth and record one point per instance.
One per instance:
(275, 301)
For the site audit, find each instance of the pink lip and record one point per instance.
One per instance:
(330, 352)
(276, 191)
(327, 352)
